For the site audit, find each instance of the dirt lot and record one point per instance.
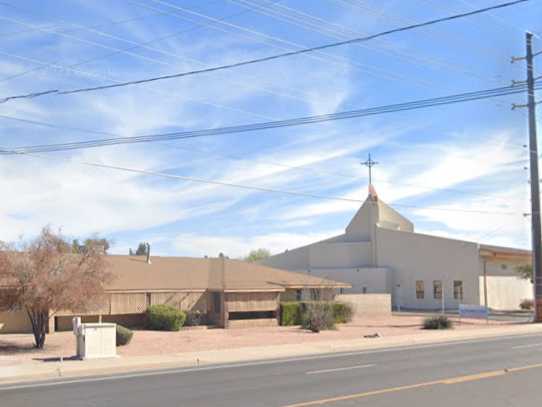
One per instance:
(14, 348)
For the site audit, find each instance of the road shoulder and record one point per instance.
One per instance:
(32, 372)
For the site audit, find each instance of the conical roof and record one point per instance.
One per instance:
(375, 212)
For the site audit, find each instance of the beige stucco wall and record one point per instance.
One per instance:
(367, 304)
(360, 227)
(339, 254)
(504, 293)
(413, 256)
(374, 279)
(296, 259)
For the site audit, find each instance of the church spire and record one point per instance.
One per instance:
(370, 164)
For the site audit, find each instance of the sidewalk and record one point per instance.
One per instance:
(27, 371)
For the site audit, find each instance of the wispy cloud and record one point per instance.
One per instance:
(431, 150)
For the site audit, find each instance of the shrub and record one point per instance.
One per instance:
(290, 313)
(294, 313)
(318, 316)
(194, 318)
(437, 322)
(526, 305)
(124, 335)
(163, 317)
(342, 312)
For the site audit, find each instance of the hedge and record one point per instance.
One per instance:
(163, 317)
(437, 322)
(292, 313)
(124, 335)
(342, 312)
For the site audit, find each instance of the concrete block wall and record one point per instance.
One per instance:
(367, 304)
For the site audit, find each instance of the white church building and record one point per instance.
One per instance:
(379, 252)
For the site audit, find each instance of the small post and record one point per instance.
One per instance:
(485, 292)
(442, 301)
(398, 297)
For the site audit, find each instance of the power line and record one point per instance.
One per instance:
(132, 54)
(263, 189)
(316, 24)
(396, 16)
(97, 75)
(419, 104)
(251, 33)
(271, 57)
(195, 27)
(52, 29)
(457, 98)
(302, 167)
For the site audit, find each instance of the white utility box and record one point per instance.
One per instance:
(96, 340)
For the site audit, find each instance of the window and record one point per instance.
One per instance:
(420, 291)
(298, 295)
(364, 290)
(504, 266)
(458, 290)
(233, 316)
(437, 289)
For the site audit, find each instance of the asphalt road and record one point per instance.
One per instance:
(494, 372)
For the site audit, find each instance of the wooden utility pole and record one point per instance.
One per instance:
(535, 183)
(536, 239)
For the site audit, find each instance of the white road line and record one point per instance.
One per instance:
(140, 374)
(531, 345)
(338, 369)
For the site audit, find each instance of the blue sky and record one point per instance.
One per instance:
(460, 157)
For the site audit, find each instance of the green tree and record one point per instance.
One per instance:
(141, 249)
(257, 255)
(97, 243)
(525, 271)
(91, 242)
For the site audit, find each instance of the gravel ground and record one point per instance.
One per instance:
(15, 348)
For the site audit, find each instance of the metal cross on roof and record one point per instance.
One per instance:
(370, 164)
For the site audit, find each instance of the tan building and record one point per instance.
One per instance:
(225, 292)
(380, 253)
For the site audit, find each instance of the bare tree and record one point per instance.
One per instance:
(43, 277)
